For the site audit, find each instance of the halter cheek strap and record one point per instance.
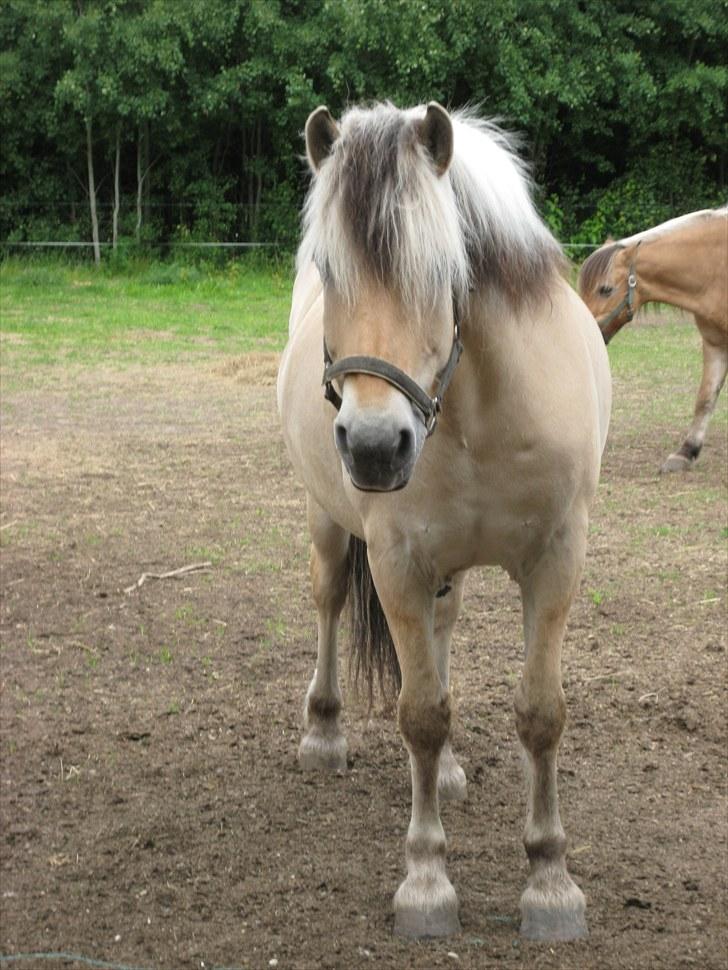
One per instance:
(627, 301)
(428, 407)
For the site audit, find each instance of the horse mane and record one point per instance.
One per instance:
(596, 266)
(377, 210)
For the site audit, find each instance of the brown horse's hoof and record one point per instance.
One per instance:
(554, 917)
(677, 463)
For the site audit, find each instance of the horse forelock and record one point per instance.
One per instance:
(596, 266)
(377, 209)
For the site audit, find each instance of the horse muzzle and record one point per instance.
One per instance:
(378, 449)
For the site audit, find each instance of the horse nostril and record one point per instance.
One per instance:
(404, 447)
(341, 438)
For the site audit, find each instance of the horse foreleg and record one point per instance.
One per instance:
(451, 782)
(425, 904)
(715, 365)
(552, 906)
(323, 744)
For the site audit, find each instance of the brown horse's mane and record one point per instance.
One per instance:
(596, 266)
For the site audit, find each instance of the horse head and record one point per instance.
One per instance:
(390, 338)
(608, 286)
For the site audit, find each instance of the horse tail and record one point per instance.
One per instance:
(371, 646)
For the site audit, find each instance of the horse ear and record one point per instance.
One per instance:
(435, 133)
(321, 133)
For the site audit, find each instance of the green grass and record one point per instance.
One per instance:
(53, 312)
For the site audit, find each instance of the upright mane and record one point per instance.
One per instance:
(378, 209)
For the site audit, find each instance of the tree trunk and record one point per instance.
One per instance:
(71, 193)
(92, 192)
(147, 166)
(117, 166)
(140, 183)
(258, 178)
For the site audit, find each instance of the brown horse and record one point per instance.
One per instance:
(466, 405)
(683, 262)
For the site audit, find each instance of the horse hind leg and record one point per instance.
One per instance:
(323, 745)
(451, 781)
(715, 365)
(552, 906)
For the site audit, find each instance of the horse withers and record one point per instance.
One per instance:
(683, 262)
(461, 422)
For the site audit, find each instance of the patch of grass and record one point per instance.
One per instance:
(54, 313)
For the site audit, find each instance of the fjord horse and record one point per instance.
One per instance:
(683, 262)
(462, 419)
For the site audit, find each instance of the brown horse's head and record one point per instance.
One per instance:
(608, 286)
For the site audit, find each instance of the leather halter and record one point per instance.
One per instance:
(627, 301)
(428, 407)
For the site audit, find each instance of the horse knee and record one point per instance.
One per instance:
(424, 726)
(540, 718)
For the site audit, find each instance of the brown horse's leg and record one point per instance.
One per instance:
(715, 365)
(323, 745)
(425, 904)
(451, 782)
(552, 906)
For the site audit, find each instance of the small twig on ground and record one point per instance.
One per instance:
(649, 696)
(172, 574)
(8, 525)
(614, 673)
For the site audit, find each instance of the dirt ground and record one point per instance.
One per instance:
(152, 812)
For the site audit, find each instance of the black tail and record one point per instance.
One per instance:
(372, 647)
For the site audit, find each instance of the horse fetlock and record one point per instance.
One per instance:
(553, 908)
(322, 710)
(545, 849)
(425, 848)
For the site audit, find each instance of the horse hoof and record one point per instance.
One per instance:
(426, 908)
(320, 753)
(676, 463)
(554, 917)
(452, 785)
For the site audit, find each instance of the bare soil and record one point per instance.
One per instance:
(152, 811)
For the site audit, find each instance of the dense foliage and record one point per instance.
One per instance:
(174, 120)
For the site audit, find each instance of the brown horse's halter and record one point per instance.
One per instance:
(628, 300)
(428, 407)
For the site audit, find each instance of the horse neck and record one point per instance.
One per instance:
(679, 266)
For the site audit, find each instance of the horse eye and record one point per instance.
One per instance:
(605, 290)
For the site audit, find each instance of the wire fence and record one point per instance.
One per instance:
(49, 244)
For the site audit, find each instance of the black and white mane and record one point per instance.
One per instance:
(378, 209)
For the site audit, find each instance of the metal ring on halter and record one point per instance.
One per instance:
(628, 301)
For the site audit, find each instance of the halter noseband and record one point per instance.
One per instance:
(428, 407)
